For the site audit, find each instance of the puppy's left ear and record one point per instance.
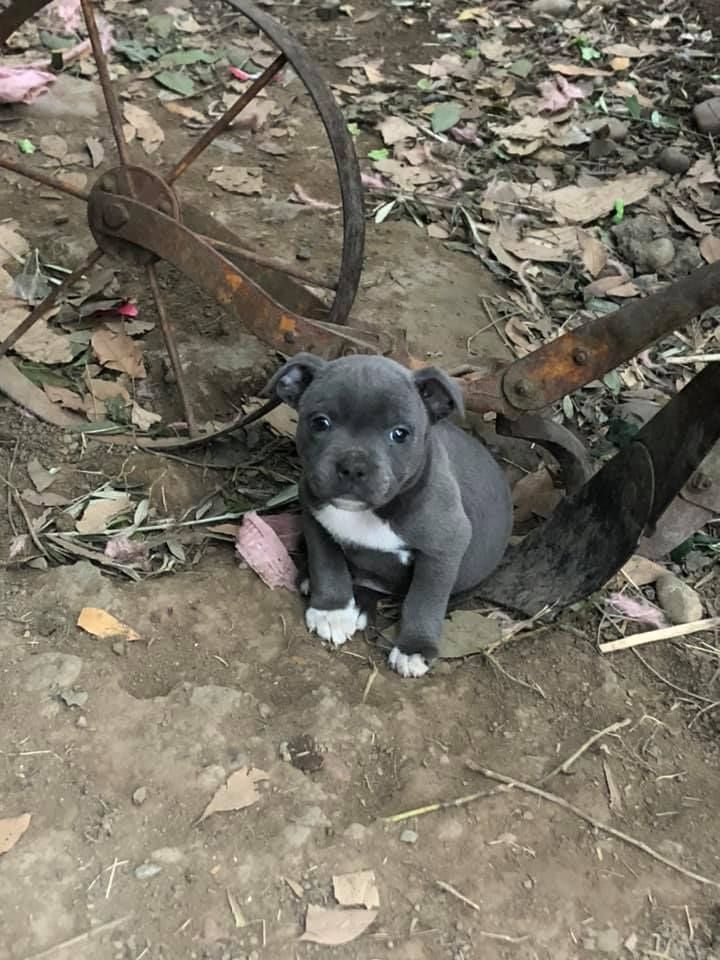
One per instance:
(440, 393)
(293, 378)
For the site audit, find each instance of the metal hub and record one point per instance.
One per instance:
(107, 214)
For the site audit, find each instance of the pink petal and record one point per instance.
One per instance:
(23, 84)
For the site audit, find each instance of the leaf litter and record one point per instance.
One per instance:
(239, 791)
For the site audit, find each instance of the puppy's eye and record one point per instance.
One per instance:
(320, 424)
(399, 434)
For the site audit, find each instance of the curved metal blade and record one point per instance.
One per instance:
(595, 530)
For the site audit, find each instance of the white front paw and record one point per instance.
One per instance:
(336, 626)
(408, 665)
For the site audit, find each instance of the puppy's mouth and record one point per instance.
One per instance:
(349, 503)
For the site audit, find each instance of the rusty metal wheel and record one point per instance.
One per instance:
(135, 215)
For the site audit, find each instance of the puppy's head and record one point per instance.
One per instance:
(363, 423)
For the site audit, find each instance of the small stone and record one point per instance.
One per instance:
(672, 160)
(265, 711)
(284, 752)
(303, 253)
(355, 832)
(167, 855)
(617, 130)
(528, 883)
(139, 796)
(659, 253)
(408, 836)
(147, 870)
(679, 601)
(552, 8)
(119, 648)
(81, 722)
(707, 116)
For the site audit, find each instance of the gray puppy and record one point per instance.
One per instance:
(394, 497)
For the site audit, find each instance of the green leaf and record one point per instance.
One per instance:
(184, 58)
(425, 83)
(177, 82)
(589, 53)
(237, 57)
(619, 211)
(26, 146)
(601, 105)
(633, 107)
(521, 67)
(444, 116)
(568, 408)
(135, 52)
(612, 381)
(379, 154)
(353, 130)
(54, 41)
(657, 119)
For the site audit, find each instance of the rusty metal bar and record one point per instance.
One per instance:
(323, 283)
(169, 337)
(44, 179)
(48, 303)
(603, 343)
(111, 101)
(223, 122)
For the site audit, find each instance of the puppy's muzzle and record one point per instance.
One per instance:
(352, 467)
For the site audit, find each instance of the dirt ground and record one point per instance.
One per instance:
(115, 748)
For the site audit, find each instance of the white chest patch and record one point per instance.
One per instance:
(362, 528)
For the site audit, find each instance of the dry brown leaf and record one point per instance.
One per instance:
(372, 71)
(282, 419)
(40, 477)
(257, 113)
(529, 128)
(117, 351)
(6, 282)
(12, 245)
(53, 146)
(689, 218)
(100, 623)
(710, 248)
(26, 395)
(357, 889)
(394, 129)
(535, 494)
(41, 343)
(494, 50)
(246, 181)
(66, 398)
(578, 70)
(239, 791)
(614, 795)
(544, 245)
(149, 132)
(406, 177)
(106, 389)
(99, 513)
(620, 63)
(642, 572)
(585, 204)
(11, 829)
(603, 286)
(335, 927)
(74, 179)
(436, 232)
(594, 253)
(44, 499)
(628, 50)
(142, 418)
(184, 111)
(96, 151)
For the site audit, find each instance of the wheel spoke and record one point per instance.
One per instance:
(111, 100)
(48, 303)
(169, 337)
(223, 122)
(44, 179)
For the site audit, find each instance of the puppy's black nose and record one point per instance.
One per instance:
(352, 466)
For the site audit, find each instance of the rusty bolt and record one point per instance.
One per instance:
(580, 356)
(115, 216)
(525, 388)
(700, 481)
(108, 183)
(289, 336)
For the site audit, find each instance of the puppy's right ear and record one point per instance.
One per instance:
(293, 378)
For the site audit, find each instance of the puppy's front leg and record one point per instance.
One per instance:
(423, 613)
(333, 614)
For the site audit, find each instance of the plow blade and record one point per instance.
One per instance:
(595, 530)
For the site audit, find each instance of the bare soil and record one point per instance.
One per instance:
(225, 676)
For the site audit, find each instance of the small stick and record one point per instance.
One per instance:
(597, 824)
(115, 864)
(665, 633)
(449, 888)
(369, 683)
(81, 938)
(566, 764)
(442, 805)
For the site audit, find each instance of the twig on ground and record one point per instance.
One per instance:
(664, 633)
(369, 683)
(454, 892)
(673, 686)
(707, 709)
(81, 938)
(534, 687)
(564, 767)
(594, 822)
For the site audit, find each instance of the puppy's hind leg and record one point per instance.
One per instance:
(333, 613)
